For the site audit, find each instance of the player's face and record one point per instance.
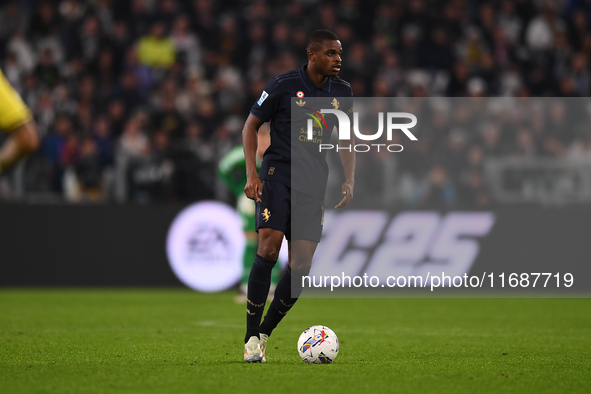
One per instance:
(328, 58)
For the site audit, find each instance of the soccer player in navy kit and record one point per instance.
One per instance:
(276, 202)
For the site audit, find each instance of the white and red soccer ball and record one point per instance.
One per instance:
(318, 345)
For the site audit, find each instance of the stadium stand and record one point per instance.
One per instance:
(137, 100)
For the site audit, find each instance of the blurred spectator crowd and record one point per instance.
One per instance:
(137, 100)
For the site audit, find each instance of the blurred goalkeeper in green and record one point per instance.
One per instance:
(232, 170)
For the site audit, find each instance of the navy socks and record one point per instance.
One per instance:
(259, 283)
(286, 294)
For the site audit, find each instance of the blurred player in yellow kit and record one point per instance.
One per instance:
(16, 120)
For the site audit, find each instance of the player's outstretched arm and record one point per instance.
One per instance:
(22, 141)
(254, 186)
(348, 161)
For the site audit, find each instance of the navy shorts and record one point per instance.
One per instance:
(298, 215)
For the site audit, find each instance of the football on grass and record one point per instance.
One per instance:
(318, 345)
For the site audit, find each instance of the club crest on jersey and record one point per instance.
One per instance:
(263, 97)
(300, 94)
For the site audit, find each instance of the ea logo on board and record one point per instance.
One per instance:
(205, 245)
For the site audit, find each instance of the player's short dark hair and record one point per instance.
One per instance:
(317, 37)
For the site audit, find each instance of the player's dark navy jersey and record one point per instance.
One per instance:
(310, 170)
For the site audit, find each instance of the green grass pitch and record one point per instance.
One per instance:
(178, 341)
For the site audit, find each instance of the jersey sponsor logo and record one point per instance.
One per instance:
(300, 103)
(409, 243)
(318, 119)
(263, 97)
(300, 94)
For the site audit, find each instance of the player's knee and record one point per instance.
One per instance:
(268, 251)
(302, 265)
(269, 243)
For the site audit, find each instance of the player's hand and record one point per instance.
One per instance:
(347, 188)
(254, 189)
